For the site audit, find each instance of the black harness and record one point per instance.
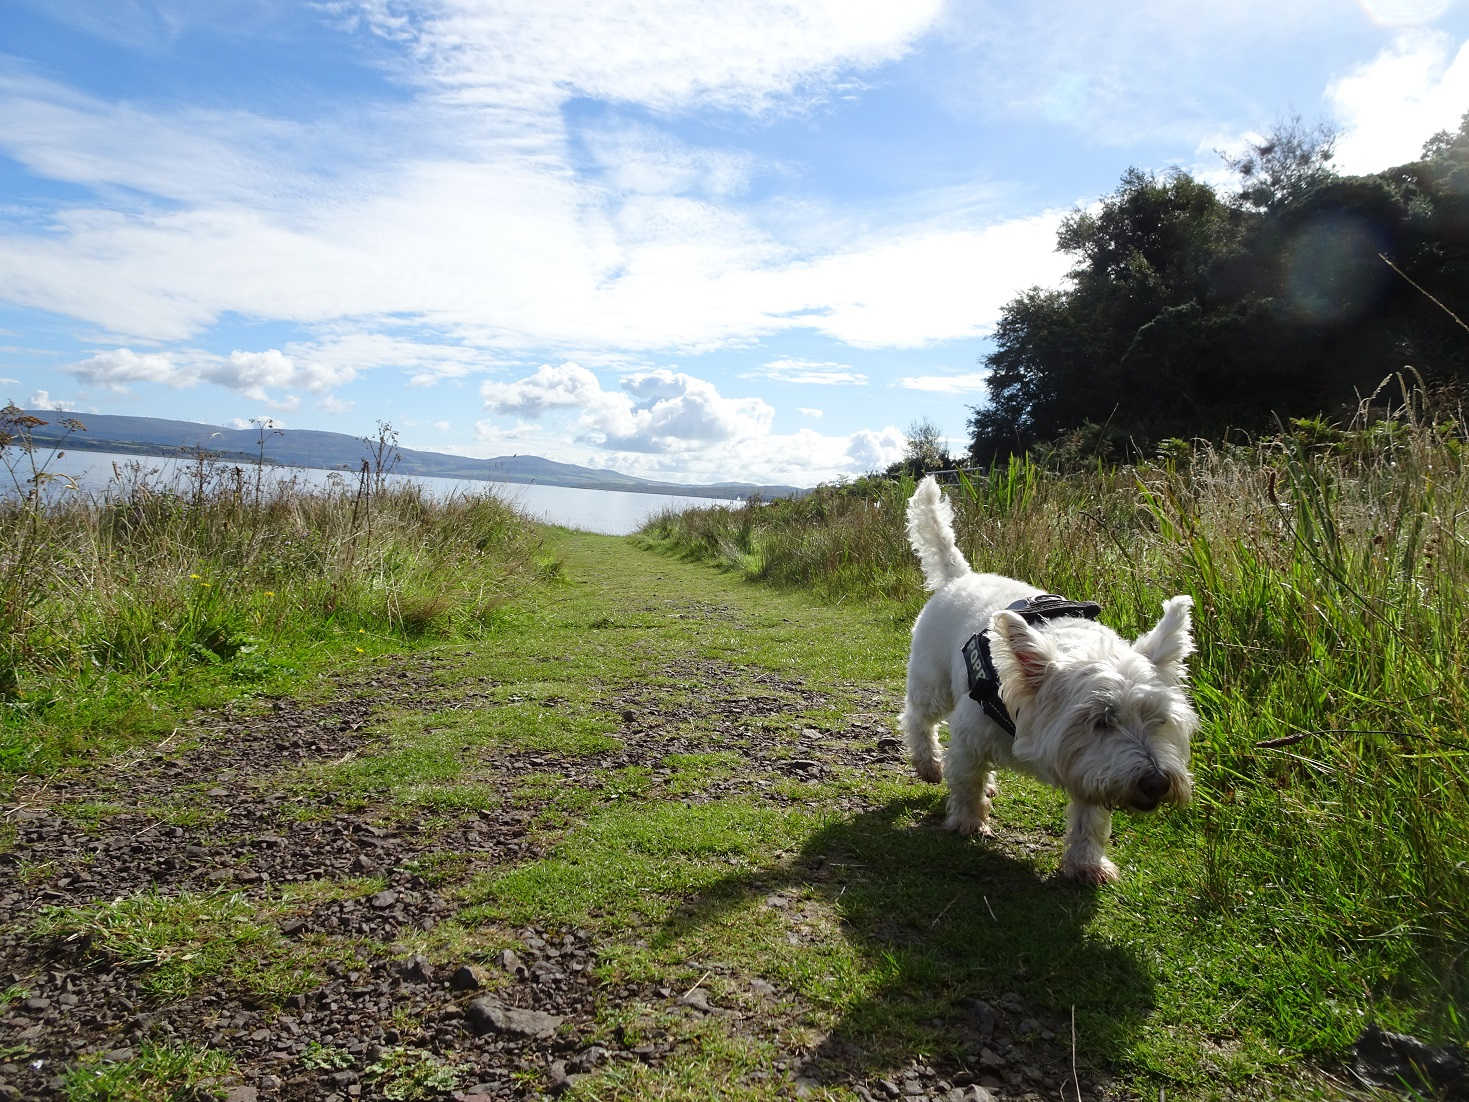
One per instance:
(984, 682)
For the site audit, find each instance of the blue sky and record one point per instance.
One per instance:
(690, 241)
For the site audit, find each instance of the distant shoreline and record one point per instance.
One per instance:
(80, 442)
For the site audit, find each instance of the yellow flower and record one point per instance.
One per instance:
(361, 631)
(194, 576)
(361, 651)
(270, 593)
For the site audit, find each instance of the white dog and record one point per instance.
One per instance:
(1104, 720)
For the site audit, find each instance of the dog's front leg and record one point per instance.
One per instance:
(1088, 828)
(971, 783)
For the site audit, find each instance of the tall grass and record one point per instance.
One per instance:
(1331, 573)
(110, 603)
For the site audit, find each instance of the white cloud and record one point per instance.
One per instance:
(806, 411)
(810, 372)
(9, 382)
(1390, 106)
(332, 404)
(639, 159)
(874, 450)
(475, 222)
(552, 386)
(662, 54)
(655, 411)
(252, 374)
(965, 383)
(116, 368)
(443, 426)
(42, 400)
(801, 458)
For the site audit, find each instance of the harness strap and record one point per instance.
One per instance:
(984, 680)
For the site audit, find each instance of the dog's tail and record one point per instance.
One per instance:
(931, 532)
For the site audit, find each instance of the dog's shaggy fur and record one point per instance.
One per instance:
(1105, 720)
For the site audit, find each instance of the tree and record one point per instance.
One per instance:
(925, 447)
(1155, 245)
(1285, 165)
(1190, 314)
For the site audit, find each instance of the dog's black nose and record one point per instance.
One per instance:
(1152, 788)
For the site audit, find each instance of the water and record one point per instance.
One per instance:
(612, 512)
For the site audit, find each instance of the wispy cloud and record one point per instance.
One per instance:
(966, 383)
(809, 372)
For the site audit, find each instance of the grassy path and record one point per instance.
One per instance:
(651, 839)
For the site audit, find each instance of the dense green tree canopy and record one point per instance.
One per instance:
(1188, 313)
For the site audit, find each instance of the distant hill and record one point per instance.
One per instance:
(339, 451)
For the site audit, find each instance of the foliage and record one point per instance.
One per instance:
(404, 1074)
(1187, 314)
(1284, 166)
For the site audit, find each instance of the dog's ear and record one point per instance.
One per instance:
(1171, 641)
(1023, 656)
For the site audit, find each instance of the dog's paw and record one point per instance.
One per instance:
(1095, 873)
(968, 825)
(931, 771)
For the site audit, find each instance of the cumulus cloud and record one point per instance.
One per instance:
(42, 399)
(1394, 103)
(552, 386)
(810, 372)
(116, 368)
(876, 449)
(653, 411)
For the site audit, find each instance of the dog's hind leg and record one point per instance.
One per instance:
(921, 733)
(971, 785)
(1087, 829)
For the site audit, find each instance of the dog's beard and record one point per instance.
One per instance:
(1115, 770)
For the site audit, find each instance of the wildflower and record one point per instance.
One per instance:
(360, 651)
(194, 576)
(270, 593)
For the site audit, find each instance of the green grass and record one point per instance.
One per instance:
(1330, 834)
(181, 943)
(119, 615)
(158, 1073)
(636, 704)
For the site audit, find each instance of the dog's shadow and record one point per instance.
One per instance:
(967, 958)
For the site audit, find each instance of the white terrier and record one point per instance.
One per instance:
(1104, 720)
